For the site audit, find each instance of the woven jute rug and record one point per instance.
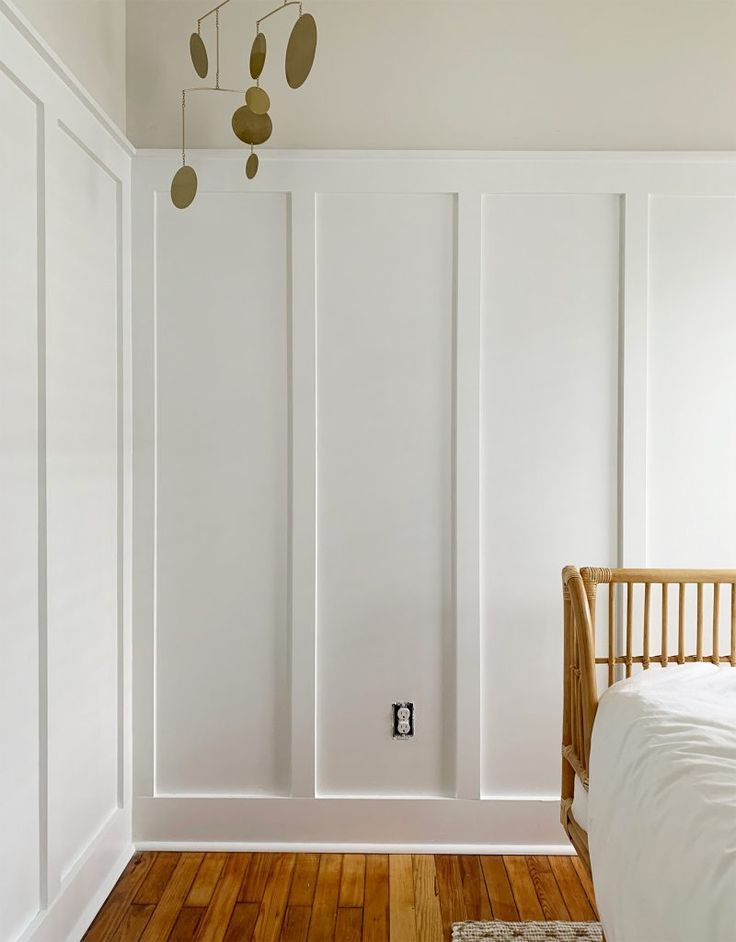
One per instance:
(527, 932)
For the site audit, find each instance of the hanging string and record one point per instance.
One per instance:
(183, 145)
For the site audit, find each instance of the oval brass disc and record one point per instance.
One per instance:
(251, 166)
(183, 187)
(257, 100)
(251, 128)
(300, 50)
(257, 55)
(198, 52)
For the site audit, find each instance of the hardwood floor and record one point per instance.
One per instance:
(218, 897)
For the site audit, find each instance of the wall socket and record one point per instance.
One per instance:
(402, 726)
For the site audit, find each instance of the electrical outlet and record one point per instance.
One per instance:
(403, 720)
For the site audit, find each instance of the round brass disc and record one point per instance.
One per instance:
(251, 128)
(183, 187)
(257, 100)
(198, 52)
(300, 50)
(251, 166)
(257, 55)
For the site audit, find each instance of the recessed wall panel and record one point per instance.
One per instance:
(384, 404)
(19, 628)
(222, 495)
(691, 439)
(549, 459)
(82, 468)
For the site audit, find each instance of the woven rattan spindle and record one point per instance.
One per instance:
(716, 616)
(733, 625)
(681, 626)
(629, 625)
(645, 660)
(611, 632)
(699, 643)
(663, 656)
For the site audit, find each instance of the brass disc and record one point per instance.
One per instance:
(300, 50)
(257, 100)
(183, 187)
(251, 128)
(198, 52)
(257, 55)
(251, 166)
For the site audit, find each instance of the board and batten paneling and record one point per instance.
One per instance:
(19, 597)
(550, 313)
(222, 701)
(691, 501)
(465, 370)
(385, 307)
(82, 497)
(65, 465)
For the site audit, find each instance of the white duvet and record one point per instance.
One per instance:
(662, 806)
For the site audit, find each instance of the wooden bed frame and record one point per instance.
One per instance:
(579, 591)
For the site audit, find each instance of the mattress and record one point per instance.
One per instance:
(661, 811)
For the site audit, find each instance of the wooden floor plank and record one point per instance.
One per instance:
(158, 876)
(449, 881)
(548, 892)
(263, 897)
(172, 899)
(206, 880)
(273, 905)
(135, 920)
(324, 908)
(401, 905)
(426, 899)
(242, 922)
(305, 879)
(352, 882)
(349, 924)
(475, 893)
(584, 878)
(187, 923)
(500, 894)
(217, 915)
(571, 889)
(296, 923)
(525, 896)
(375, 904)
(256, 877)
(121, 897)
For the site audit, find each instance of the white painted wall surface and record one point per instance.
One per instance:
(65, 803)
(448, 74)
(468, 408)
(19, 596)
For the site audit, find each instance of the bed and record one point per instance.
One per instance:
(649, 767)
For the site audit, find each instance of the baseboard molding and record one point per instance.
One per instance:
(86, 889)
(554, 850)
(432, 825)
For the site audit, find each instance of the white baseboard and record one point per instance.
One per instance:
(87, 887)
(343, 825)
(320, 848)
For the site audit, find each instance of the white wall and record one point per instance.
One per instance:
(449, 74)
(65, 810)
(394, 394)
(88, 36)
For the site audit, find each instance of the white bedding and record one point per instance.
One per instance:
(662, 806)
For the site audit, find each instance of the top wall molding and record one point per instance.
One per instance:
(13, 15)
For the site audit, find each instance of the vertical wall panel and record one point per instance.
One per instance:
(691, 503)
(222, 722)
(19, 603)
(384, 393)
(82, 422)
(549, 459)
